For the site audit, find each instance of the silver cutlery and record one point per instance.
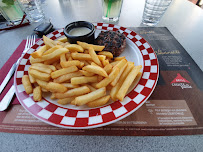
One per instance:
(9, 95)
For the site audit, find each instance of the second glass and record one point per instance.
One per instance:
(154, 10)
(111, 10)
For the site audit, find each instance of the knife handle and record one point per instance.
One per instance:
(8, 77)
(7, 99)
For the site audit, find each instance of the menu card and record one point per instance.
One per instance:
(174, 108)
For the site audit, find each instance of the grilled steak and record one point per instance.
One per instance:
(114, 42)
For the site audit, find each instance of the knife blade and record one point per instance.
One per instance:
(7, 99)
(8, 77)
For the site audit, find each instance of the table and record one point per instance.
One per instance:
(182, 18)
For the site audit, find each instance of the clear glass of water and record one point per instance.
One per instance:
(33, 9)
(154, 10)
(111, 10)
(11, 11)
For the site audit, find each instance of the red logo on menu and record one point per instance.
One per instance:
(179, 79)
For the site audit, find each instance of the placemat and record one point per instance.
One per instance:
(174, 107)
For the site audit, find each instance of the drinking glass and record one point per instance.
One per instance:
(111, 10)
(33, 9)
(11, 11)
(154, 10)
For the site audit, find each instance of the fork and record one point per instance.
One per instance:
(9, 95)
(29, 42)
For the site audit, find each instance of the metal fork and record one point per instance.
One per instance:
(9, 95)
(29, 43)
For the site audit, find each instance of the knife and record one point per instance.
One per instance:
(7, 99)
(8, 77)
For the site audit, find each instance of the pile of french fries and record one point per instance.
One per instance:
(78, 74)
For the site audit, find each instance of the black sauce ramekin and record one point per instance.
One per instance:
(89, 38)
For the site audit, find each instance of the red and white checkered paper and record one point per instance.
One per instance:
(90, 118)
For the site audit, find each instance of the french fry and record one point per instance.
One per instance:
(39, 75)
(73, 102)
(68, 55)
(138, 76)
(85, 62)
(95, 64)
(59, 43)
(37, 93)
(67, 77)
(70, 63)
(108, 68)
(52, 49)
(51, 61)
(115, 89)
(94, 84)
(82, 64)
(41, 69)
(114, 82)
(63, 71)
(106, 53)
(63, 39)
(90, 87)
(35, 60)
(128, 81)
(99, 102)
(83, 79)
(42, 84)
(95, 69)
(56, 87)
(27, 85)
(114, 63)
(39, 52)
(70, 86)
(66, 43)
(81, 56)
(53, 68)
(73, 92)
(119, 58)
(109, 79)
(84, 99)
(49, 42)
(65, 101)
(105, 62)
(87, 74)
(86, 46)
(53, 96)
(51, 56)
(74, 47)
(54, 54)
(121, 63)
(63, 58)
(94, 56)
(32, 79)
(110, 60)
(44, 90)
(101, 57)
